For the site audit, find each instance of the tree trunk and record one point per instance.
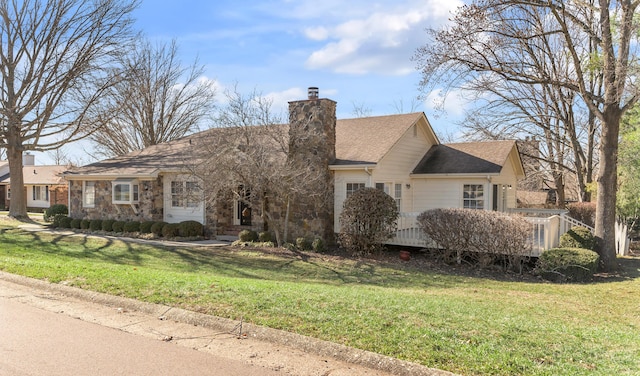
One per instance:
(606, 194)
(18, 204)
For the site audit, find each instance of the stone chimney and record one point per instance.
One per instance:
(312, 145)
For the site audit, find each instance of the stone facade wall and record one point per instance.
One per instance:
(149, 207)
(312, 143)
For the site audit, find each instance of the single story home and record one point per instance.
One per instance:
(399, 154)
(44, 185)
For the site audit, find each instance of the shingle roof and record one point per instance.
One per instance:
(465, 158)
(146, 162)
(367, 140)
(39, 175)
(361, 140)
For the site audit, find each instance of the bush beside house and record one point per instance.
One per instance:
(368, 219)
(185, 229)
(486, 236)
(573, 261)
(568, 264)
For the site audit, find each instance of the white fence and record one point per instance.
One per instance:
(545, 234)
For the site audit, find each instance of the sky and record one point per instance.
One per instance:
(358, 53)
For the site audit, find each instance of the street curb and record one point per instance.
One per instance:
(307, 344)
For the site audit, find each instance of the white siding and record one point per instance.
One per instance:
(179, 214)
(31, 203)
(433, 193)
(341, 178)
(394, 168)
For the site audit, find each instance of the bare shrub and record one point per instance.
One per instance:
(584, 212)
(484, 233)
(368, 219)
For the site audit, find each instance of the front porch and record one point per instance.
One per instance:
(548, 226)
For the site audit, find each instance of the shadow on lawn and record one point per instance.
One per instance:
(628, 269)
(384, 269)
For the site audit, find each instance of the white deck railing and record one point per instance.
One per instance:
(545, 233)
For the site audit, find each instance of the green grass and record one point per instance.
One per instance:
(467, 325)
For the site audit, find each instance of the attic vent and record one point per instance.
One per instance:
(313, 92)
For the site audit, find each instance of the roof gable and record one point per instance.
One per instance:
(367, 140)
(466, 158)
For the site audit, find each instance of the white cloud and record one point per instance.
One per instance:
(382, 41)
(316, 33)
(452, 103)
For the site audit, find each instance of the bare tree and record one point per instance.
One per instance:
(488, 36)
(158, 100)
(360, 110)
(59, 156)
(247, 157)
(57, 61)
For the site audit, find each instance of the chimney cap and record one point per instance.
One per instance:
(313, 92)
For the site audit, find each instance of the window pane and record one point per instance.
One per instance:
(89, 193)
(177, 194)
(122, 192)
(352, 187)
(473, 196)
(193, 194)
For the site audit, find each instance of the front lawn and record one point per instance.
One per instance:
(417, 311)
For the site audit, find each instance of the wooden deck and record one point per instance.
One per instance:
(545, 233)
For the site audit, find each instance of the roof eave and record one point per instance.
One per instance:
(352, 167)
(455, 175)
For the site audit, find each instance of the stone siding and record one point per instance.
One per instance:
(149, 206)
(312, 143)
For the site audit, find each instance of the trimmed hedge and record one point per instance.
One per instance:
(189, 229)
(303, 244)
(171, 230)
(369, 218)
(131, 226)
(107, 225)
(156, 228)
(95, 225)
(578, 237)
(76, 223)
(118, 226)
(248, 236)
(145, 227)
(567, 264)
(65, 222)
(264, 236)
(52, 211)
(84, 224)
(488, 235)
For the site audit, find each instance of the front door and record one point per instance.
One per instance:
(243, 210)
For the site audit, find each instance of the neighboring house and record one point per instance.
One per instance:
(399, 154)
(44, 185)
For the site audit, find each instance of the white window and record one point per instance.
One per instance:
(125, 191)
(40, 193)
(8, 193)
(185, 194)
(473, 196)
(393, 190)
(89, 194)
(352, 187)
(385, 187)
(398, 196)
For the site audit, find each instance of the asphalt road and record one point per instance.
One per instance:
(40, 342)
(54, 330)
